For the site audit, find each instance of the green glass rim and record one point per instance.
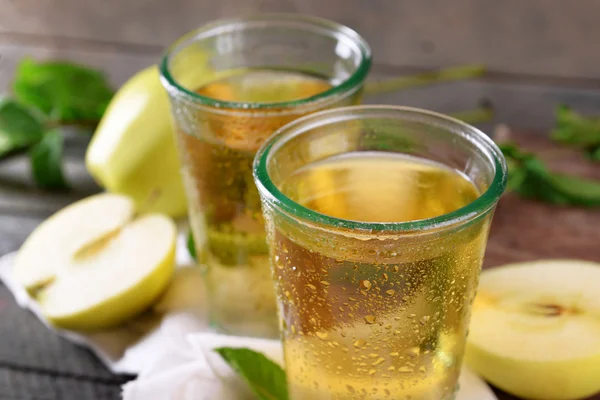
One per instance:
(310, 24)
(476, 208)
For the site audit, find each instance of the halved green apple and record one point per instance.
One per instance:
(92, 265)
(535, 329)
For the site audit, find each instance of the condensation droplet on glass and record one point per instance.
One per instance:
(413, 352)
(369, 319)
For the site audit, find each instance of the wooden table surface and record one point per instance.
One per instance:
(37, 365)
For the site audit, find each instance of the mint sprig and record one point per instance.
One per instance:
(47, 95)
(19, 127)
(46, 161)
(531, 178)
(578, 131)
(266, 379)
(64, 92)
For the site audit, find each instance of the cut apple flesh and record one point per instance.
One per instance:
(49, 248)
(535, 329)
(116, 282)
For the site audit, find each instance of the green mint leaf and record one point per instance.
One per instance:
(191, 246)
(530, 177)
(266, 379)
(577, 130)
(594, 154)
(65, 92)
(579, 191)
(46, 161)
(19, 127)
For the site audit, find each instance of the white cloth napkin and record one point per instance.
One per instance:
(170, 348)
(189, 369)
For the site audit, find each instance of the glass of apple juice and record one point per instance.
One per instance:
(231, 84)
(377, 220)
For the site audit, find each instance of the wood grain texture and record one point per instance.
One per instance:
(547, 37)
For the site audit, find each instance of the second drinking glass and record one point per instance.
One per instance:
(232, 83)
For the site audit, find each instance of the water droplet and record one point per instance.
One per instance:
(413, 352)
(378, 361)
(390, 292)
(322, 335)
(360, 343)
(351, 299)
(391, 368)
(369, 319)
(396, 269)
(350, 388)
(394, 354)
(385, 276)
(279, 266)
(405, 369)
(422, 369)
(324, 283)
(365, 284)
(363, 292)
(373, 355)
(372, 371)
(424, 319)
(412, 316)
(311, 287)
(405, 298)
(288, 294)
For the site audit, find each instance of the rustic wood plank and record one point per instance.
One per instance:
(525, 230)
(20, 196)
(548, 37)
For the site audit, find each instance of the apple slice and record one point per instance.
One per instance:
(48, 250)
(535, 329)
(116, 282)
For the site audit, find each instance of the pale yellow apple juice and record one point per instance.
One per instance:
(376, 322)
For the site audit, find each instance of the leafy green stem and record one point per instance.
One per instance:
(425, 78)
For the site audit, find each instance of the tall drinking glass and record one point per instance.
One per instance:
(377, 221)
(231, 84)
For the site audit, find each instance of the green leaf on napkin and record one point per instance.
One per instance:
(266, 379)
(191, 246)
(530, 177)
(63, 91)
(46, 161)
(578, 131)
(19, 127)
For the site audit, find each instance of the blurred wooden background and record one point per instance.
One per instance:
(539, 51)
